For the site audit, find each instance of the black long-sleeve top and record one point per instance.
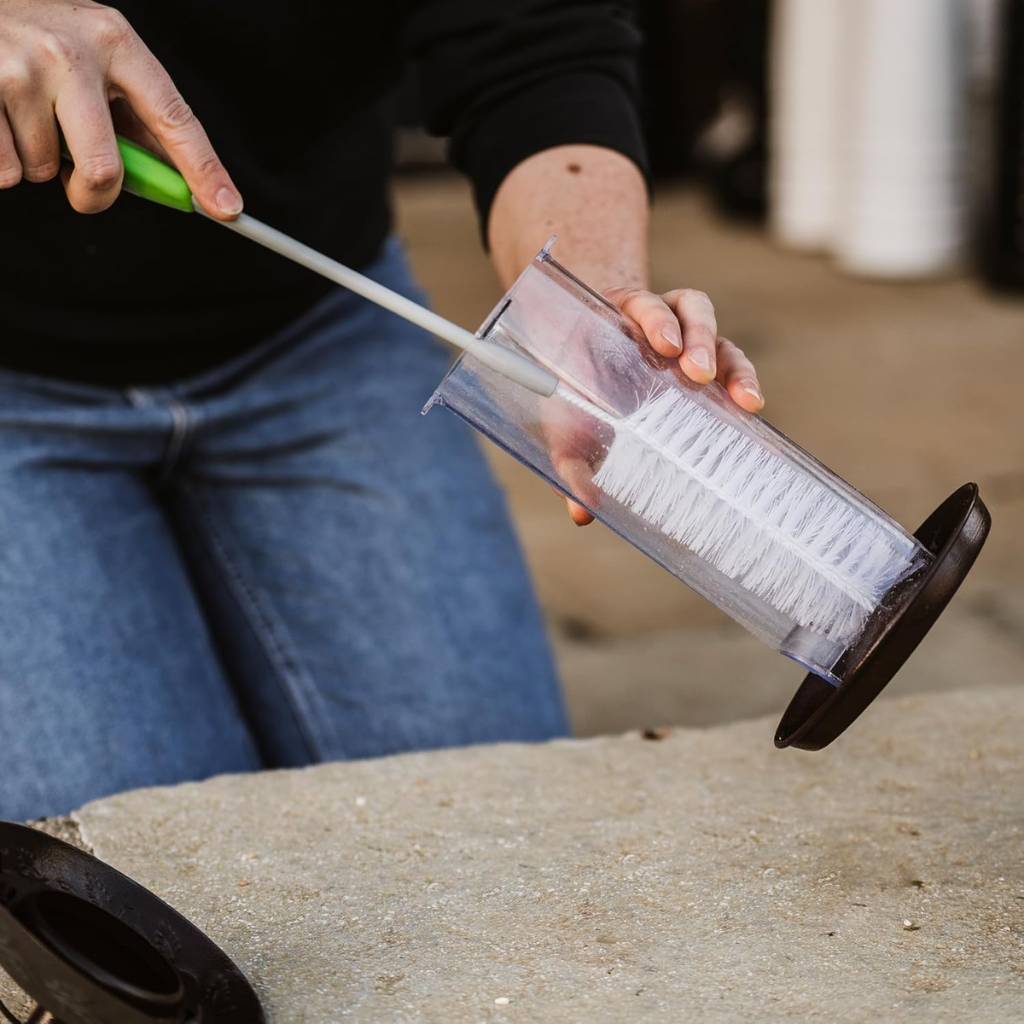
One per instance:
(297, 97)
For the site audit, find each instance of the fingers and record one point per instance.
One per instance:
(129, 126)
(658, 322)
(680, 323)
(10, 164)
(578, 477)
(64, 63)
(31, 122)
(573, 447)
(700, 333)
(737, 374)
(578, 514)
(162, 109)
(95, 181)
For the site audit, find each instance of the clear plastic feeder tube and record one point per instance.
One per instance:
(718, 497)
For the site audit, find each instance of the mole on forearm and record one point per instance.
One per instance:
(599, 214)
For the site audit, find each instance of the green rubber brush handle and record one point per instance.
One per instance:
(148, 176)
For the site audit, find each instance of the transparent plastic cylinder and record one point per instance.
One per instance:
(719, 498)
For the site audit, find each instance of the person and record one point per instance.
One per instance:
(229, 542)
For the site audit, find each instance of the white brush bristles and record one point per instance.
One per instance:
(759, 519)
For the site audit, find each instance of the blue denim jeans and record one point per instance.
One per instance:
(276, 563)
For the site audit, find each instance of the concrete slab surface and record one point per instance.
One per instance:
(703, 876)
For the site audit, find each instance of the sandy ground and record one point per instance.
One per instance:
(907, 390)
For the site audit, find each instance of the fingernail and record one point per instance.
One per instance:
(754, 392)
(673, 337)
(228, 201)
(700, 358)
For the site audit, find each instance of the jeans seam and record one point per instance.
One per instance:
(261, 622)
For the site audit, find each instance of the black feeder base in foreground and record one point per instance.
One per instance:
(90, 946)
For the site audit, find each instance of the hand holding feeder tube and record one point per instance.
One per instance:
(598, 202)
(721, 499)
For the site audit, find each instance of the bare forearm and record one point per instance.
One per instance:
(594, 199)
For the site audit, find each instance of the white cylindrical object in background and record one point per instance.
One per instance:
(904, 196)
(805, 122)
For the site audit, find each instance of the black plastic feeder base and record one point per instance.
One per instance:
(819, 712)
(89, 945)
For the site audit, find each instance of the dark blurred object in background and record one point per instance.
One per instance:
(705, 87)
(1003, 235)
(681, 72)
(704, 82)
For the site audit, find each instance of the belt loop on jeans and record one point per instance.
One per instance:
(181, 425)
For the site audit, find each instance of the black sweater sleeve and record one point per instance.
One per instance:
(507, 79)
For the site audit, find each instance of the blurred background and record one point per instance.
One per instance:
(845, 178)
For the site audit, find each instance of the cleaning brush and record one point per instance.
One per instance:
(754, 517)
(751, 514)
(713, 493)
